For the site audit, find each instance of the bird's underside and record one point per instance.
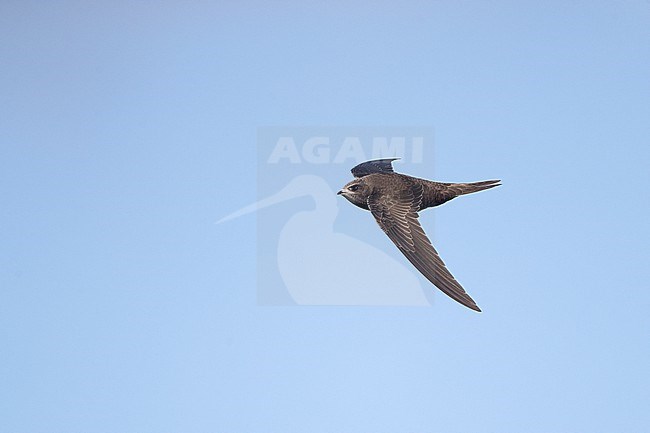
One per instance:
(394, 200)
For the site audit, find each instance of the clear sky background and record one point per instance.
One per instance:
(128, 128)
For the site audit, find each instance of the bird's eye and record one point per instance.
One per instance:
(353, 188)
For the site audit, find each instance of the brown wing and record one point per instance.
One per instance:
(398, 218)
(384, 166)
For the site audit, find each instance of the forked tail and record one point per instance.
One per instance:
(438, 193)
(468, 188)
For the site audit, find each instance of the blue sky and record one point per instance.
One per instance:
(127, 130)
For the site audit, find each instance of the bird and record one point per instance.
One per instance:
(394, 199)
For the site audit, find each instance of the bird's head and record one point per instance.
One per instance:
(357, 192)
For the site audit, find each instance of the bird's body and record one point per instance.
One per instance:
(395, 199)
(433, 193)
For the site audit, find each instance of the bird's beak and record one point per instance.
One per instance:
(340, 192)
